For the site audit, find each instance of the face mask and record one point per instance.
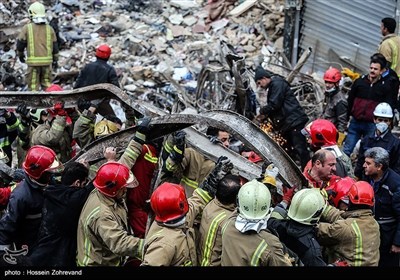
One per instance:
(382, 127)
(330, 90)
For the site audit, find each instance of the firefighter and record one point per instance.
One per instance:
(8, 132)
(352, 235)
(245, 238)
(170, 240)
(55, 132)
(104, 235)
(97, 72)
(322, 134)
(335, 103)
(40, 41)
(21, 222)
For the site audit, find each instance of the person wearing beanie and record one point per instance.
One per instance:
(284, 112)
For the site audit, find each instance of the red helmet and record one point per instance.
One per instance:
(332, 75)
(253, 157)
(54, 87)
(38, 160)
(169, 202)
(361, 192)
(338, 190)
(103, 51)
(323, 133)
(111, 177)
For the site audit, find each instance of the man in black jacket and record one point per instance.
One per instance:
(98, 72)
(285, 112)
(56, 243)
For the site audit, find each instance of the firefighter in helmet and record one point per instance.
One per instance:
(21, 222)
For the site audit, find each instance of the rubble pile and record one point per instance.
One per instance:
(150, 40)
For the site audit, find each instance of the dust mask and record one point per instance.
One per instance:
(382, 127)
(330, 90)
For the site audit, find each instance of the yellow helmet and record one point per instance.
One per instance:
(36, 10)
(105, 127)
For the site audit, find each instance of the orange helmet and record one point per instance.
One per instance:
(103, 51)
(323, 133)
(54, 87)
(361, 192)
(338, 191)
(332, 75)
(111, 177)
(38, 160)
(169, 202)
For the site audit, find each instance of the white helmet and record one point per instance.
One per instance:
(254, 200)
(307, 206)
(383, 110)
(37, 12)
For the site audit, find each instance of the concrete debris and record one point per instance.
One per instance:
(149, 39)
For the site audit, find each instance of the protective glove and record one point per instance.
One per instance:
(142, 129)
(221, 169)
(22, 58)
(54, 64)
(59, 110)
(339, 263)
(179, 138)
(3, 112)
(179, 146)
(84, 104)
(19, 175)
(270, 174)
(288, 195)
(341, 138)
(215, 140)
(23, 111)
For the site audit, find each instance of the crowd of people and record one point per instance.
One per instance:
(201, 212)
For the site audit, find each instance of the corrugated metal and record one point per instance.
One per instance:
(349, 28)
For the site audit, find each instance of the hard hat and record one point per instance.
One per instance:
(54, 87)
(105, 127)
(307, 206)
(40, 159)
(36, 10)
(169, 202)
(253, 157)
(3, 156)
(361, 192)
(383, 110)
(254, 200)
(323, 133)
(113, 176)
(338, 190)
(36, 114)
(332, 75)
(103, 51)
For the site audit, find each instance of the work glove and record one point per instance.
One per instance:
(179, 146)
(23, 111)
(59, 110)
(221, 169)
(288, 195)
(339, 263)
(142, 129)
(84, 104)
(21, 58)
(54, 64)
(19, 175)
(215, 140)
(270, 174)
(341, 138)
